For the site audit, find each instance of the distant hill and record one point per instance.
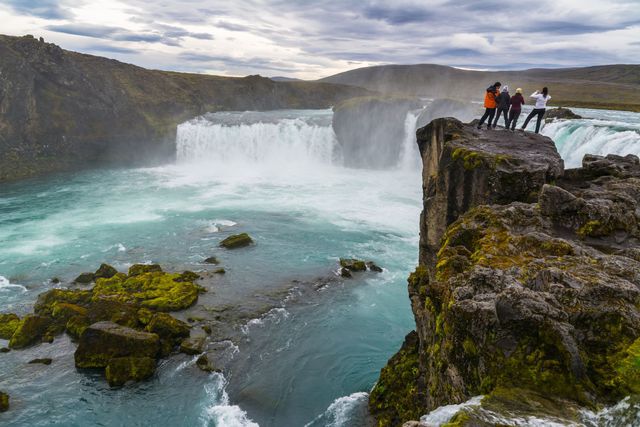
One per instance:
(62, 110)
(605, 86)
(284, 79)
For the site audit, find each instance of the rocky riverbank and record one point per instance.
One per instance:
(528, 284)
(62, 110)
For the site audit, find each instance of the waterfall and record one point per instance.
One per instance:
(410, 156)
(575, 138)
(281, 139)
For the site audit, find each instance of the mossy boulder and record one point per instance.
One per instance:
(157, 291)
(237, 241)
(121, 370)
(84, 278)
(353, 264)
(76, 325)
(32, 329)
(211, 260)
(137, 269)
(4, 401)
(396, 397)
(47, 301)
(187, 276)
(103, 341)
(170, 330)
(9, 322)
(205, 364)
(193, 345)
(105, 271)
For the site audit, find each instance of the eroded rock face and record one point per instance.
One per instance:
(531, 288)
(465, 167)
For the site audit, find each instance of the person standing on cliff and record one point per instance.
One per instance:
(503, 106)
(539, 109)
(516, 102)
(490, 104)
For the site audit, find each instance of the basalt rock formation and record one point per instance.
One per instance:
(62, 110)
(560, 113)
(528, 286)
(366, 128)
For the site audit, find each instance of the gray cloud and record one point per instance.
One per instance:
(315, 37)
(49, 9)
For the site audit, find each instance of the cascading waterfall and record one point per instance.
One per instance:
(575, 138)
(282, 139)
(409, 156)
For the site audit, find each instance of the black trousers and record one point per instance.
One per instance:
(535, 112)
(504, 111)
(513, 119)
(488, 113)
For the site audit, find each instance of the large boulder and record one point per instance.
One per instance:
(236, 241)
(121, 370)
(9, 322)
(104, 341)
(31, 330)
(560, 113)
(4, 401)
(371, 130)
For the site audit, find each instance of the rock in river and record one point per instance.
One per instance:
(4, 401)
(104, 341)
(121, 370)
(236, 241)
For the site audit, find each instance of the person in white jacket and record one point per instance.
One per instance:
(539, 109)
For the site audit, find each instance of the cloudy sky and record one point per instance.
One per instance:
(311, 39)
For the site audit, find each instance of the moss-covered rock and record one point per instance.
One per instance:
(32, 329)
(236, 241)
(205, 364)
(105, 271)
(396, 396)
(137, 269)
(187, 276)
(47, 301)
(211, 260)
(193, 345)
(103, 341)
(76, 325)
(353, 264)
(9, 322)
(121, 370)
(220, 271)
(4, 401)
(170, 330)
(84, 278)
(157, 291)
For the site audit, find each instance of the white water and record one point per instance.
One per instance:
(220, 413)
(410, 156)
(443, 414)
(277, 140)
(600, 132)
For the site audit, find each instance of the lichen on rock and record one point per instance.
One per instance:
(518, 295)
(121, 370)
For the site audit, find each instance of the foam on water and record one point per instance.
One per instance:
(409, 156)
(343, 412)
(443, 414)
(220, 413)
(6, 286)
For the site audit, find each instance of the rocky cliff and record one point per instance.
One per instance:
(61, 110)
(528, 286)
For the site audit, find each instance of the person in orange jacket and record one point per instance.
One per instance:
(490, 104)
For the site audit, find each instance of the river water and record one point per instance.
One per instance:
(309, 345)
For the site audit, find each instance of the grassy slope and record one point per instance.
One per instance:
(607, 86)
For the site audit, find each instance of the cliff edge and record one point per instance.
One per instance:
(62, 110)
(528, 286)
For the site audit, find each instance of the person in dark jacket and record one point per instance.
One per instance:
(516, 102)
(503, 106)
